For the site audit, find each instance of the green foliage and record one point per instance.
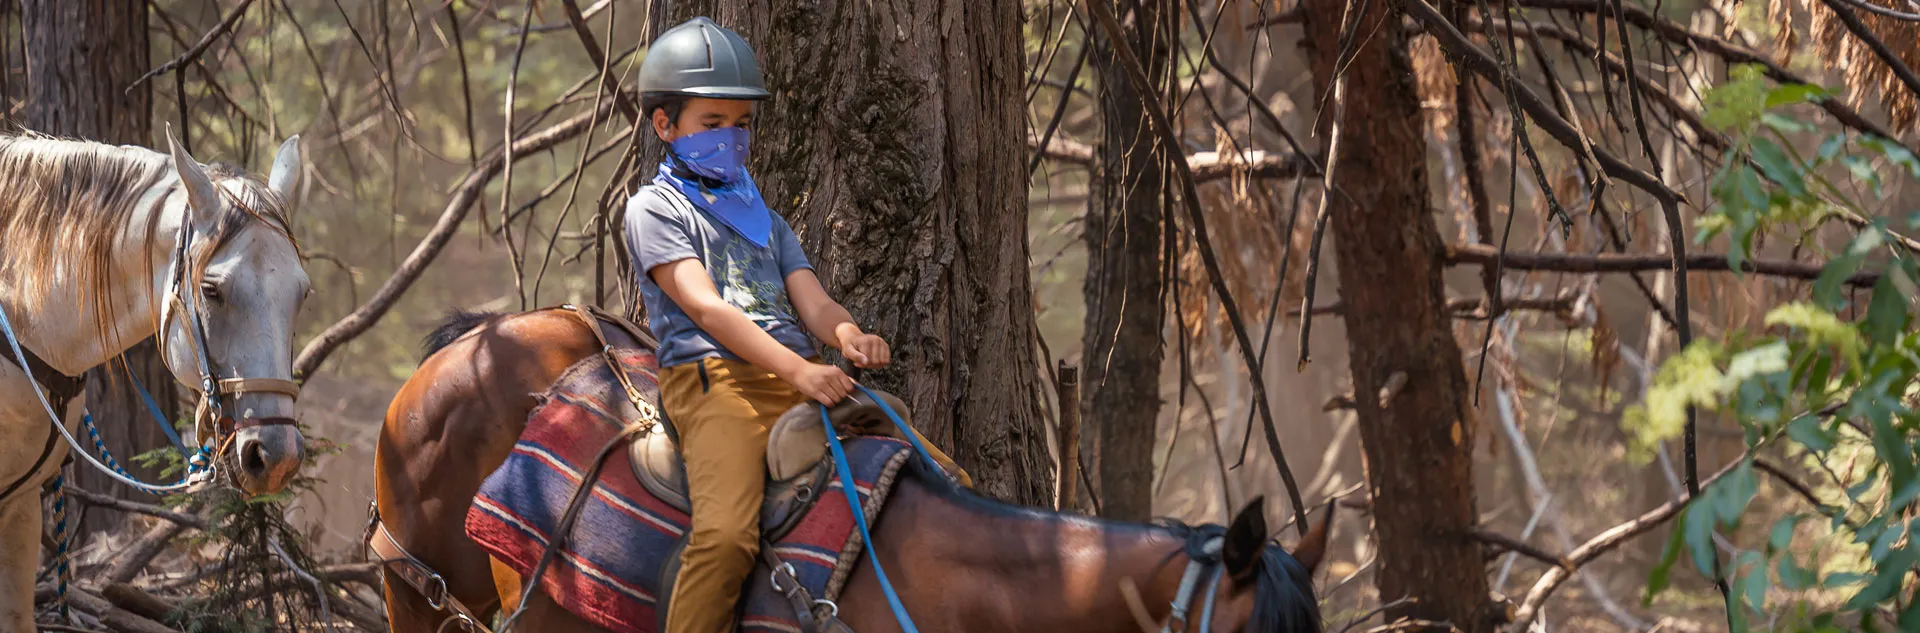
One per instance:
(1827, 379)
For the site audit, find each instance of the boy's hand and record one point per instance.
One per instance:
(824, 383)
(867, 351)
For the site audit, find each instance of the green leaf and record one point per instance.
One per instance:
(1737, 489)
(1779, 167)
(1662, 574)
(1863, 171)
(1820, 327)
(1698, 525)
(1754, 583)
(1818, 377)
(1689, 377)
(1886, 313)
(1759, 361)
(1811, 433)
(1782, 534)
(1831, 147)
(1894, 152)
(1842, 579)
(1886, 579)
(1788, 94)
(1783, 124)
(1793, 577)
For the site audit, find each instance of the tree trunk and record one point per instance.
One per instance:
(1123, 231)
(85, 53)
(1418, 443)
(894, 144)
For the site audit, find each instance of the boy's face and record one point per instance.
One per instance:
(700, 114)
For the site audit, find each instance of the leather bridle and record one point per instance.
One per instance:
(183, 300)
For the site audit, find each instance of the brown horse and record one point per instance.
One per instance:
(958, 561)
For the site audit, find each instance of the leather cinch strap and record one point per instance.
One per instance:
(422, 578)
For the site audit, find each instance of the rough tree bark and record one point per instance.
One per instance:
(1418, 443)
(894, 144)
(1123, 231)
(84, 54)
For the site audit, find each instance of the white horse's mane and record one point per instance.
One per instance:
(65, 205)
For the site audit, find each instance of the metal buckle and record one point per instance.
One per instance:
(466, 623)
(774, 577)
(436, 592)
(833, 610)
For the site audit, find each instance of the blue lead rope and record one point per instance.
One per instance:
(859, 514)
(159, 417)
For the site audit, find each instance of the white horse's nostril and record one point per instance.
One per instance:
(253, 458)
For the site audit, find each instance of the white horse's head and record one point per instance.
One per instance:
(227, 311)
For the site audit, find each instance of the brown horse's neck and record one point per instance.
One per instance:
(991, 566)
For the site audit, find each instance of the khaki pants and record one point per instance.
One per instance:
(723, 410)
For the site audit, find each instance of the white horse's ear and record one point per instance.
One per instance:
(204, 199)
(284, 180)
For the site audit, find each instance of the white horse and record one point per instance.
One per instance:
(103, 246)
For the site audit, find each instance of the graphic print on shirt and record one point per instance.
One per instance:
(762, 299)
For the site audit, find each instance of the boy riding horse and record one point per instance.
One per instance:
(735, 305)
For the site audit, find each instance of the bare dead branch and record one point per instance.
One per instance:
(1574, 40)
(1727, 50)
(469, 190)
(96, 499)
(1060, 111)
(608, 82)
(139, 602)
(1617, 263)
(199, 48)
(1521, 547)
(1191, 200)
(1887, 55)
(1479, 61)
(558, 26)
(1206, 166)
(1290, 16)
(1599, 545)
(1476, 307)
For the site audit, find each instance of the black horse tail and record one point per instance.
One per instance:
(456, 323)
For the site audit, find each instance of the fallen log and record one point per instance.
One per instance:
(140, 602)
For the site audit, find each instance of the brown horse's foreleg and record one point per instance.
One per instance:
(543, 614)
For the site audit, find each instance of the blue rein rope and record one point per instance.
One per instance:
(853, 498)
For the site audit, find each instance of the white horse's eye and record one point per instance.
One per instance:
(210, 290)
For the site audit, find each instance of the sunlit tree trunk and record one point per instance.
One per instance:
(1418, 441)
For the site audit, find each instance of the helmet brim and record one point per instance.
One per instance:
(734, 92)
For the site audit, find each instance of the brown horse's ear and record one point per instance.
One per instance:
(1312, 548)
(1245, 537)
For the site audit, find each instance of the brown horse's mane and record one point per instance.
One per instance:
(456, 323)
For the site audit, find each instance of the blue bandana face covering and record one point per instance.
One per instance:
(720, 154)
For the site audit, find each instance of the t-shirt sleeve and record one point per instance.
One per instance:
(656, 232)
(786, 247)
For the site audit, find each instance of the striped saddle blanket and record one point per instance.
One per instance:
(610, 571)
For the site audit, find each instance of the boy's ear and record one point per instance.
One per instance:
(661, 124)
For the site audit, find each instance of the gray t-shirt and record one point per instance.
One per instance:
(662, 226)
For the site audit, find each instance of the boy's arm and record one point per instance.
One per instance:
(831, 323)
(687, 283)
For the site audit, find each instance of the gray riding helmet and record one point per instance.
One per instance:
(701, 59)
